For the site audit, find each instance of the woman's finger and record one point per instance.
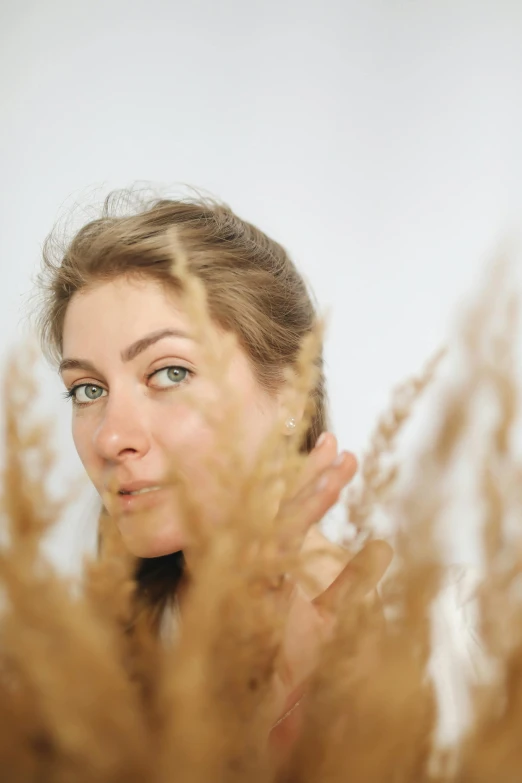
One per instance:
(312, 503)
(320, 458)
(359, 577)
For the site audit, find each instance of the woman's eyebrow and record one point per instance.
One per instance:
(143, 343)
(128, 354)
(77, 364)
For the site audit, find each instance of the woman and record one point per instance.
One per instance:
(138, 373)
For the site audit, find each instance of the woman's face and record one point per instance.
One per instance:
(140, 385)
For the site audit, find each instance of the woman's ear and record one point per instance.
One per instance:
(290, 425)
(292, 405)
(293, 419)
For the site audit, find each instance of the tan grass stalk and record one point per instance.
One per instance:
(87, 692)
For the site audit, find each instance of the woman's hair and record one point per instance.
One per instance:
(253, 290)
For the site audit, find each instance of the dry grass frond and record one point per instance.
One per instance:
(58, 663)
(376, 475)
(88, 693)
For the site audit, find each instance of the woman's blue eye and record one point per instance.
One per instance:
(166, 378)
(86, 393)
(170, 376)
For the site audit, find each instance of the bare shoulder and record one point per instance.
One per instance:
(323, 561)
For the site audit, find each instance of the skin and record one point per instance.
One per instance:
(141, 425)
(133, 417)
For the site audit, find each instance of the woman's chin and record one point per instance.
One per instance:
(151, 537)
(150, 549)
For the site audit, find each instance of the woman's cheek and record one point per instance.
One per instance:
(184, 436)
(82, 439)
(191, 449)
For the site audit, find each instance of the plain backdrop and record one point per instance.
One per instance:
(379, 141)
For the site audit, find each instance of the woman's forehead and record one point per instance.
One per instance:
(120, 307)
(110, 317)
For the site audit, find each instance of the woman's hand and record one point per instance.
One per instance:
(311, 621)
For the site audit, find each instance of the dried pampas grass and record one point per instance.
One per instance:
(89, 692)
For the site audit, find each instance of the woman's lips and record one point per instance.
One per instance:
(134, 486)
(138, 499)
(138, 491)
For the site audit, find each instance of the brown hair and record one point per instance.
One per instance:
(253, 289)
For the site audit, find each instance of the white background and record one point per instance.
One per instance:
(380, 142)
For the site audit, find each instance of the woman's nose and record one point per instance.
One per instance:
(123, 431)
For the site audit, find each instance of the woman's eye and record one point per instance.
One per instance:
(87, 393)
(170, 376)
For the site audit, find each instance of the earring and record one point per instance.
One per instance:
(290, 424)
